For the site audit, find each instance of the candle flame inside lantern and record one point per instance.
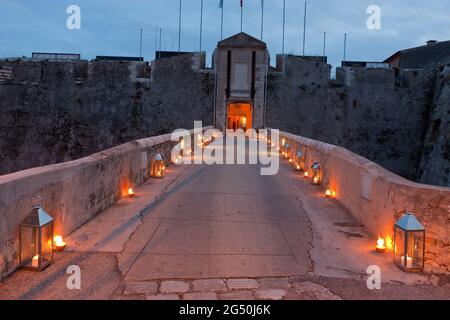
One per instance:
(306, 174)
(131, 192)
(316, 180)
(298, 167)
(328, 194)
(59, 243)
(380, 245)
(35, 261)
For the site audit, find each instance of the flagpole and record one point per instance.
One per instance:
(284, 24)
(201, 24)
(324, 45)
(156, 41)
(304, 29)
(345, 46)
(160, 41)
(262, 19)
(221, 22)
(140, 46)
(179, 31)
(242, 15)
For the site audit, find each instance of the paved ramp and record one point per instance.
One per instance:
(221, 221)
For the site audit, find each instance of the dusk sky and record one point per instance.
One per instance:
(112, 27)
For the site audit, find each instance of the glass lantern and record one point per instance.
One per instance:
(287, 151)
(36, 238)
(409, 243)
(299, 161)
(158, 168)
(316, 177)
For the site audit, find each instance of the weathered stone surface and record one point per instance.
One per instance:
(209, 285)
(319, 291)
(174, 287)
(274, 283)
(49, 116)
(162, 297)
(148, 288)
(237, 295)
(200, 296)
(271, 294)
(242, 284)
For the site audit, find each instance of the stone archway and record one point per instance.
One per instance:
(240, 116)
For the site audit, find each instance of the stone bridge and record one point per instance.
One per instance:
(222, 231)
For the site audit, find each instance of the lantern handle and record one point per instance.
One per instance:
(37, 203)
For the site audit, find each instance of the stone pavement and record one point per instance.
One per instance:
(223, 232)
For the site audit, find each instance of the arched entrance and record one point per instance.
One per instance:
(240, 116)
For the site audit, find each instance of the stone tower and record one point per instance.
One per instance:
(241, 63)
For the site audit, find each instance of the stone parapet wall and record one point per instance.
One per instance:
(378, 197)
(75, 191)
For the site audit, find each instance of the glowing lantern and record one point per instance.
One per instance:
(299, 161)
(317, 174)
(380, 245)
(328, 194)
(287, 150)
(158, 167)
(58, 243)
(409, 243)
(306, 174)
(36, 238)
(131, 193)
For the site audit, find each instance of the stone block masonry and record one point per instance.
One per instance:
(59, 111)
(74, 191)
(378, 198)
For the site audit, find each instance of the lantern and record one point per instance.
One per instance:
(316, 174)
(158, 167)
(299, 161)
(287, 151)
(36, 238)
(409, 243)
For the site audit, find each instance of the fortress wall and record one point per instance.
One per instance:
(372, 112)
(435, 162)
(378, 198)
(59, 111)
(74, 191)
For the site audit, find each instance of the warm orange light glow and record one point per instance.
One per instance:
(389, 243)
(306, 174)
(35, 261)
(380, 245)
(298, 167)
(328, 194)
(290, 160)
(131, 192)
(316, 180)
(333, 194)
(409, 262)
(58, 242)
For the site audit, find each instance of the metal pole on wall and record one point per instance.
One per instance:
(284, 24)
(345, 46)
(221, 19)
(262, 19)
(156, 42)
(304, 29)
(179, 30)
(242, 15)
(160, 42)
(201, 24)
(140, 46)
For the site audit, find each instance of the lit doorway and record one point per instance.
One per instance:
(239, 116)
